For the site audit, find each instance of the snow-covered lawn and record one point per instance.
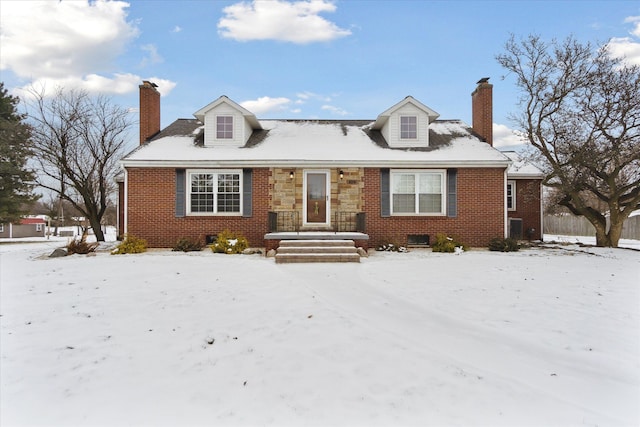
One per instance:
(539, 337)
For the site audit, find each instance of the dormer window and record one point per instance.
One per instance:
(408, 127)
(224, 127)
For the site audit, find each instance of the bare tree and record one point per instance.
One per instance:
(78, 141)
(581, 113)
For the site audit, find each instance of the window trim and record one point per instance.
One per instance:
(511, 183)
(215, 173)
(402, 116)
(416, 172)
(225, 138)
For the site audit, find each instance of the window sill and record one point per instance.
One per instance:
(213, 214)
(439, 214)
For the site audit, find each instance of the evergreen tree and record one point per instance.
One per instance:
(16, 179)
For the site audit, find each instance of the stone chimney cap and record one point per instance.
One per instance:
(483, 80)
(148, 83)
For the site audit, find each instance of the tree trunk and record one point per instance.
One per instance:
(615, 231)
(602, 238)
(97, 229)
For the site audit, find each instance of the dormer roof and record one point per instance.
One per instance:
(384, 116)
(248, 115)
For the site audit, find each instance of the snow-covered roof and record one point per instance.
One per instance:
(316, 143)
(521, 168)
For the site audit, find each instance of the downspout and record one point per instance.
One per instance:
(126, 202)
(504, 204)
(541, 212)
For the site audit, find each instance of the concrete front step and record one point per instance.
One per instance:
(300, 258)
(298, 251)
(317, 250)
(316, 243)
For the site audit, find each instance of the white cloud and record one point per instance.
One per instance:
(625, 47)
(176, 29)
(164, 86)
(152, 57)
(636, 21)
(69, 44)
(306, 96)
(119, 84)
(295, 22)
(266, 104)
(503, 136)
(628, 47)
(335, 110)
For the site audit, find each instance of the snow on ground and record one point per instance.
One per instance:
(544, 336)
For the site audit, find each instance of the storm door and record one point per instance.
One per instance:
(316, 198)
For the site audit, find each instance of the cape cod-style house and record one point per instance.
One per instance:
(403, 176)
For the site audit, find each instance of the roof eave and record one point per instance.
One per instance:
(297, 163)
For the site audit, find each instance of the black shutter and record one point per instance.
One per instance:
(180, 193)
(452, 198)
(247, 206)
(385, 193)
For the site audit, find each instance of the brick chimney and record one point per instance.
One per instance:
(149, 110)
(482, 109)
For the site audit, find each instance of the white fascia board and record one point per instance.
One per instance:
(525, 176)
(302, 163)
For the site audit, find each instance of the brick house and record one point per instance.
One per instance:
(403, 176)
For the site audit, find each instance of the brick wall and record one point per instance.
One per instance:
(151, 210)
(480, 216)
(480, 201)
(528, 206)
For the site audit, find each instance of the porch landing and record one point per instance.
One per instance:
(316, 235)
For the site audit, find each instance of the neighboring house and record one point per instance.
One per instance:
(28, 227)
(404, 176)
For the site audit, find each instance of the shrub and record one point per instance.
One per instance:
(390, 245)
(187, 244)
(130, 245)
(445, 243)
(503, 245)
(80, 246)
(229, 243)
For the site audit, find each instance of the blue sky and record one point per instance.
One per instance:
(349, 59)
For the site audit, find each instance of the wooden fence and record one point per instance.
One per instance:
(569, 225)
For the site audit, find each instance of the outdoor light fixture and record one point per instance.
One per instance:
(341, 174)
(291, 175)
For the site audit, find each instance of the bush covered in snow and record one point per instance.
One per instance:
(187, 244)
(503, 245)
(445, 243)
(229, 243)
(390, 245)
(130, 245)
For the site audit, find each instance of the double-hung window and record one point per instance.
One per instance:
(418, 192)
(511, 195)
(408, 127)
(224, 127)
(215, 192)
